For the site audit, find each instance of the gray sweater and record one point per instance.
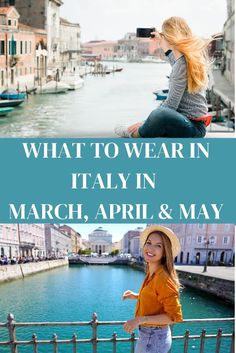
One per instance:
(192, 105)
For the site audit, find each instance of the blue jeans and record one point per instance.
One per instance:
(154, 340)
(166, 122)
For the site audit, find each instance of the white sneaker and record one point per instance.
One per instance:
(122, 131)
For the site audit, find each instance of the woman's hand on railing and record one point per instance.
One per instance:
(129, 295)
(131, 325)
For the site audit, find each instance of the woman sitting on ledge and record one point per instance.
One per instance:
(183, 113)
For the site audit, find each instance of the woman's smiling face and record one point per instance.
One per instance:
(153, 249)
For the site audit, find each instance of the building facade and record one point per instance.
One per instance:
(58, 243)
(214, 242)
(18, 240)
(130, 242)
(103, 50)
(21, 57)
(127, 48)
(85, 244)
(100, 241)
(229, 38)
(135, 49)
(70, 44)
(44, 14)
(147, 47)
(76, 240)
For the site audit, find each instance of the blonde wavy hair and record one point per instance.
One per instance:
(179, 35)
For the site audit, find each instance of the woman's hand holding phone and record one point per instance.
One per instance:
(159, 37)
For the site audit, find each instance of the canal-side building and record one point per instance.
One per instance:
(75, 237)
(149, 48)
(229, 39)
(18, 240)
(70, 45)
(127, 48)
(23, 54)
(103, 50)
(44, 14)
(135, 49)
(85, 244)
(58, 243)
(131, 242)
(31, 240)
(9, 240)
(100, 241)
(200, 241)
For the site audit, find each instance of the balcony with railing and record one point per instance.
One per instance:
(75, 343)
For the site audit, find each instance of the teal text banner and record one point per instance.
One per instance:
(117, 180)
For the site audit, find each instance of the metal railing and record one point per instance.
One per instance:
(13, 343)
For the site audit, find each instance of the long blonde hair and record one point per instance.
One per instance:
(167, 260)
(179, 35)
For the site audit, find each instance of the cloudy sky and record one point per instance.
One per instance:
(111, 19)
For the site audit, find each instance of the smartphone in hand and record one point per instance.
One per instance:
(145, 32)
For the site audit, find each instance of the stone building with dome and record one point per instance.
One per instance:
(100, 241)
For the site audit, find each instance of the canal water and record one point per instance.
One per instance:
(93, 110)
(74, 293)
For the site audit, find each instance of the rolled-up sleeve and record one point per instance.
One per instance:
(168, 296)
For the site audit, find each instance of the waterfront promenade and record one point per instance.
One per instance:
(19, 271)
(223, 88)
(221, 272)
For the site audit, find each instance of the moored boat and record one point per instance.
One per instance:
(161, 94)
(12, 94)
(119, 69)
(52, 87)
(5, 111)
(73, 81)
(5, 103)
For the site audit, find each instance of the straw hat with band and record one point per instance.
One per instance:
(155, 228)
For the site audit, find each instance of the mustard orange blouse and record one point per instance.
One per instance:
(159, 295)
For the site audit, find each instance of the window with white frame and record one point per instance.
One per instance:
(200, 239)
(225, 240)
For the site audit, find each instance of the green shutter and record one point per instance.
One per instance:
(14, 47)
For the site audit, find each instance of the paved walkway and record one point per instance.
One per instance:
(212, 271)
(219, 131)
(223, 87)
